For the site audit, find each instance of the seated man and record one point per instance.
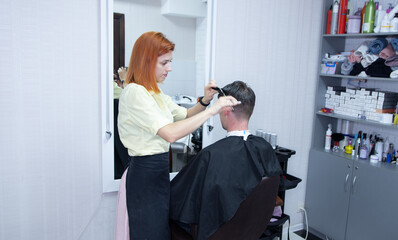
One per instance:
(209, 189)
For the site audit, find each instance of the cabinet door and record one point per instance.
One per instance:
(373, 204)
(327, 195)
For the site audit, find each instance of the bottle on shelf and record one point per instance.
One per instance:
(372, 145)
(386, 146)
(363, 152)
(329, 20)
(335, 17)
(380, 13)
(328, 139)
(394, 23)
(369, 19)
(358, 144)
(349, 147)
(385, 24)
(389, 8)
(363, 15)
(342, 17)
(379, 148)
(390, 154)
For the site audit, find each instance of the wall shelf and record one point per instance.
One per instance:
(342, 154)
(360, 35)
(357, 77)
(357, 120)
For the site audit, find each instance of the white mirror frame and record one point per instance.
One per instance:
(109, 184)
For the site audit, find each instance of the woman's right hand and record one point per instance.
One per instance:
(122, 71)
(223, 103)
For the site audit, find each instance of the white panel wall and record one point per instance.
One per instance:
(273, 46)
(50, 167)
(142, 16)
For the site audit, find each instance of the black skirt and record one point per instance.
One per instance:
(148, 197)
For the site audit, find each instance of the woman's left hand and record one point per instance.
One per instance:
(209, 92)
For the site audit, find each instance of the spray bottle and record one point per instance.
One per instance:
(335, 17)
(328, 139)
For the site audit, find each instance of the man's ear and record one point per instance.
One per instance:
(227, 112)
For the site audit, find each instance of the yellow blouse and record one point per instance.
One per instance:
(141, 115)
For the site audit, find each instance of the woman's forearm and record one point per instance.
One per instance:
(195, 110)
(174, 131)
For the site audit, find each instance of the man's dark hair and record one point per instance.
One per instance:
(241, 92)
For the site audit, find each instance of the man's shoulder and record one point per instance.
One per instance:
(221, 143)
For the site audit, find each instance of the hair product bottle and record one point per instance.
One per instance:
(342, 17)
(329, 20)
(349, 147)
(328, 139)
(363, 15)
(369, 19)
(335, 17)
(363, 152)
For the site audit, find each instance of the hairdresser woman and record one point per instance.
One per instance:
(148, 122)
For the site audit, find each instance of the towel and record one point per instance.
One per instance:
(394, 43)
(377, 45)
(346, 67)
(378, 69)
(362, 53)
(368, 59)
(352, 58)
(357, 69)
(394, 74)
(387, 52)
(362, 50)
(375, 69)
(392, 61)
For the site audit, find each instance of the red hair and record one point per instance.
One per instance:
(148, 47)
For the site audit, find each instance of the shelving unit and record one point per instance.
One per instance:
(349, 198)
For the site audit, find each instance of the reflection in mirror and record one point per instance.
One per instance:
(188, 31)
(121, 157)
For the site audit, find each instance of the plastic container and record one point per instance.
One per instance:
(385, 24)
(354, 24)
(374, 158)
(394, 24)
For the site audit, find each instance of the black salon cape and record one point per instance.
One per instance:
(210, 188)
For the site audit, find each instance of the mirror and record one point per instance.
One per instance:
(184, 23)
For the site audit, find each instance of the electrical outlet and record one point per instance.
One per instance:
(299, 206)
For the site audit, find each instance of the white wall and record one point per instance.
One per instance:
(50, 167)
(274, 48)
(145, 15)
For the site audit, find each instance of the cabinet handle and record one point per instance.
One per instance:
(353, 183)
(346, 181)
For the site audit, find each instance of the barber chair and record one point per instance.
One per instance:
(250, 220)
